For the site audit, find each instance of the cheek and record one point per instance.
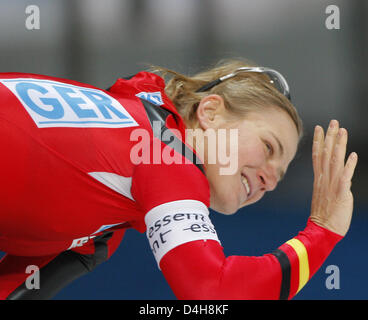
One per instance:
(251, 154)
(224, 191)
(220, 184)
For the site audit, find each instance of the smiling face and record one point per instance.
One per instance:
(267, 142)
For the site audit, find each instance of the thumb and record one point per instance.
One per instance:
(344, 186)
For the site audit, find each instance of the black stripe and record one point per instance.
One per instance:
(155, 113)
(209, 85)
(129, 77)
(286, 273)
(180, 147)
(101, 249)
(125, 78)
(62, 270)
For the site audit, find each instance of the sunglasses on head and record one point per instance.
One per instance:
(277, 79)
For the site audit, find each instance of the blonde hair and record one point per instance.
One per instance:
(244, 93)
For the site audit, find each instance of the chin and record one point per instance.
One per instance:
(224, 201)
(228, 212)
(227, 209)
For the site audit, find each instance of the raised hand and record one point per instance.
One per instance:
(332, 200)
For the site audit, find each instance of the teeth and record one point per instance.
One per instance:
(245, 182)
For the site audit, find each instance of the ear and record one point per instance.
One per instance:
(210, 111)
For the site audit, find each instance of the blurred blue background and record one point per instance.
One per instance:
(98, 41)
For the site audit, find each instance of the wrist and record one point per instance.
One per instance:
(315, 227)
(303, 255)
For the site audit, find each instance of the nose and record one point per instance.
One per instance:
(268, 178)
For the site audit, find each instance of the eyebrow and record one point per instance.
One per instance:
(281, 148)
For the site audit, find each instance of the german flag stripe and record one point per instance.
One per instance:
(286, 273)
(302, 254)
(293, 259)
(294, 263)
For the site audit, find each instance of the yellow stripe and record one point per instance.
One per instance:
(302, 254)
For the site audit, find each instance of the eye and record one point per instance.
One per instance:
(269, 148)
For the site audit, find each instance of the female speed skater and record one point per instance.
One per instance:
(80, 165)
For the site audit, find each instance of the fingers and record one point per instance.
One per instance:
(338, 154)
(328, 147)
(317, 149)
(347, 175)
(328, 155)
(350, 167)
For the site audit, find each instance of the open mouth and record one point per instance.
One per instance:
(246, 184)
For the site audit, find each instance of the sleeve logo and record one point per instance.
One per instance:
(174, 223)
(57, 104)
(153, 97)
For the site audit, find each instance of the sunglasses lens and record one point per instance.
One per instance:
(277, 80)
(277, 83)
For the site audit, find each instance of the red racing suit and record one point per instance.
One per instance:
(80, 165)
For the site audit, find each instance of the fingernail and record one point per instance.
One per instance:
(333, 123)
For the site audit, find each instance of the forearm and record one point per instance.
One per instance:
(305, 254)
(200, 270)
